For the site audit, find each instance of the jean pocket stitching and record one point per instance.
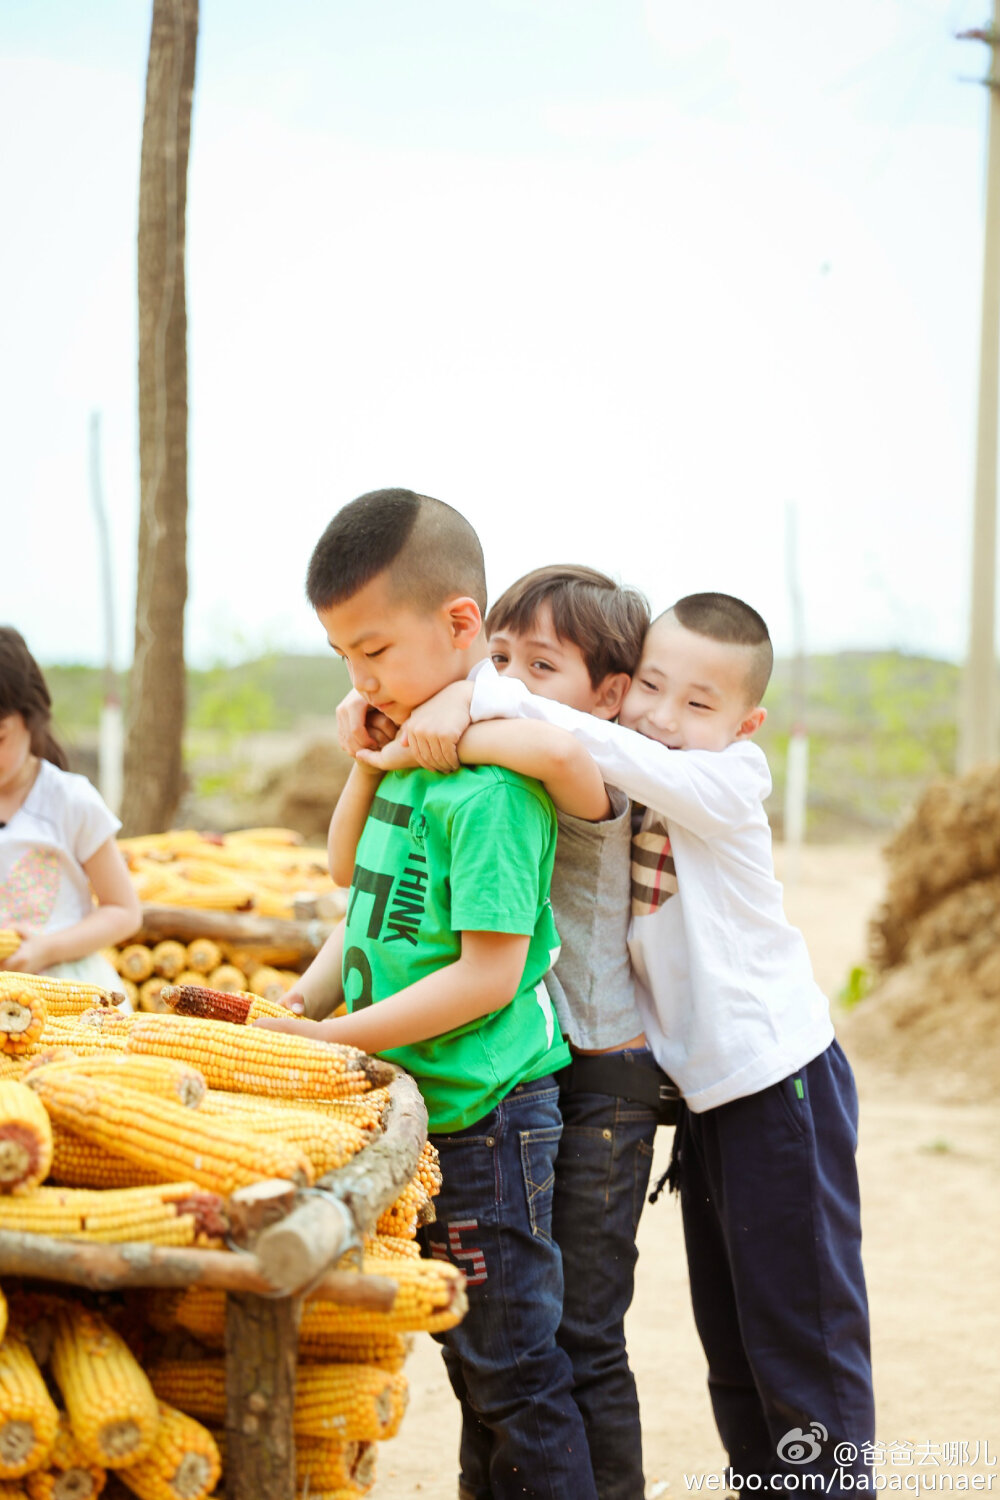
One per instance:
(539, 1194)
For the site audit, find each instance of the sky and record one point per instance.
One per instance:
(651, 285)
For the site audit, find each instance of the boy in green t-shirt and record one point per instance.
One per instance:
(448, 939)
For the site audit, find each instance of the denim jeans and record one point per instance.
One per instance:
(602, 1173)
(522, 1434)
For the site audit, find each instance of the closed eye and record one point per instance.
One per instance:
(707, 706)
(371, 655)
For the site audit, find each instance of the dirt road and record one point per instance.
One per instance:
(929, 1176)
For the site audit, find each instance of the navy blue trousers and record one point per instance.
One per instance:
(769, 1198)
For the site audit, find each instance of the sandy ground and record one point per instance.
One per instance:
(929, 1178)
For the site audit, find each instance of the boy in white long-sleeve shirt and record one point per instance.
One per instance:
(764, 1153)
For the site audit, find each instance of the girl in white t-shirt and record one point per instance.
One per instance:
(58, 855)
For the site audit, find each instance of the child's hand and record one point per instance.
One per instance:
(361, 727)
(397, 755)
(293, 1001)
(32, 956)
(434, 729)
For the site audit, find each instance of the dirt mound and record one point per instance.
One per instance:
(302, 794)
(935, 945)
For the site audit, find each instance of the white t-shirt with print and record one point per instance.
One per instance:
(61, 824)
(724, 982)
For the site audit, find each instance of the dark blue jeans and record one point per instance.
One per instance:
(769, 1197)
(522, 1434)
(602, 1173)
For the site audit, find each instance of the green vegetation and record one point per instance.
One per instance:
(881, 725)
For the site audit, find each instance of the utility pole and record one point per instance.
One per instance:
(109, 754)
(977, 741)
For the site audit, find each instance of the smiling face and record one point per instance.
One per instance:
(399, 655)
(690, 692)
(554, 667)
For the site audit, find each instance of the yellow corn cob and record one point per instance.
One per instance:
(268, 983)
(63, 997)
(108, 1398)
(25, 1139)
(351, 1403)
(391, 1247)
(328, 1143)
(229, 978)
(3, 1314)
(364, 1110)
(11, 1067)
(135, 962)
(149, 994)
(284, 838)
(228, 897)
(169, 958)
(247, 1059)
(22, 1016)
(328, 1467)
(202, 1311)
(131, 992)
(52, 1211)
(183, 1463)
(10, 941)
(269, 904)
(80, 1163)
(203, 955)
(167, 1138)
(15, 1492)
(402, 1217)
(69, 1475)
(430, 1295)
(160, 1077)
(261, 1006)
(28, 1417)
(429, 1169)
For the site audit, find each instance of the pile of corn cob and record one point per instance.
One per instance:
(124, 1127)
(256, 869)
(144, 971)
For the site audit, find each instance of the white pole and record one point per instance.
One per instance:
(977, 740)
(797, 761)
(111, 739)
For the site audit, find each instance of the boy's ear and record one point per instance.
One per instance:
(611, 695)
(465, 621)
(751, 723)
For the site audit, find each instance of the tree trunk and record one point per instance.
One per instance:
(156, 694)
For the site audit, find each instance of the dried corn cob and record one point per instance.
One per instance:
(326, 1467)
(69, 1474)
(411, 1208)
(11, 1067)
(135, 962)
(169, 958)
(25, 1139)
(202, 1311)
(80, 1163)
(228, 978)
(149, 994)
(63, 997)
(22, 1015)
(249, 1060)
(161, 1077)
(203, 955)
(108, 1398)
(202, 1003)
(429, 1169)
(183, 1463)
(390, 1247)
(165, 1213)
(164, 1137)
(28, 1417)
(14, 1491)
(10, 941)
(328, 1143)
(351, 1403)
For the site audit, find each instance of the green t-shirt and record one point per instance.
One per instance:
(439, 856)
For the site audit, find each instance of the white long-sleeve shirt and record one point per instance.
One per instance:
(724, 982)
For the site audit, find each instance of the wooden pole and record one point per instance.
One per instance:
(978, 721)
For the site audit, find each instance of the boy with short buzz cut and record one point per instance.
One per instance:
(764, 1154)
(447, 942)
